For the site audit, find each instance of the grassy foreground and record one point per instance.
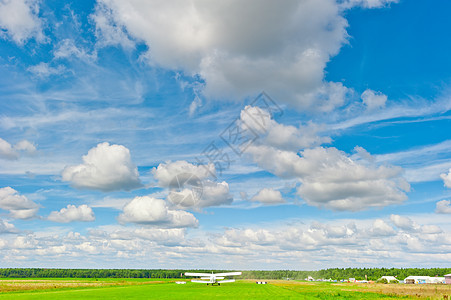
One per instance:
(167, 289)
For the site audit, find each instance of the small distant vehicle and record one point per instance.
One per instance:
(213, 278)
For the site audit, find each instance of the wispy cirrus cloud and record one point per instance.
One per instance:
(44, 70)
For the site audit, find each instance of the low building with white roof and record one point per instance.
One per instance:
(389, 278)
(424, 279)
(448, 278)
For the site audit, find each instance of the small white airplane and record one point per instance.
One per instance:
(213, 278)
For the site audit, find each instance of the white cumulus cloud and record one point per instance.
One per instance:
(446, 178)
(431, 229)
(25, 146)
(19, 19)
(283, 49)
(215, 193)
(178, 173)
(373, 100)
(268, 196)
(189, 186)
(443, 207)
(25, 242)
(210, 193)
(151, 211)
(72, 213)
(284, 164)
(285, 137)
(404, 223)
(106, 167)
(87, 247)
(332, 179)
(7, 151)
(6, 227)
(329, 178)
(381, 228)
(19, 206)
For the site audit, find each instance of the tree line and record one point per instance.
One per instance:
(333, 273)
(346, 273)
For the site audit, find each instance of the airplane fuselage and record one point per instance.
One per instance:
(212, 279)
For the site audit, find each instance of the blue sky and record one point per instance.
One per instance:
(136, 134)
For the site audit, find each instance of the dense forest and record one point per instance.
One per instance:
(335, 273)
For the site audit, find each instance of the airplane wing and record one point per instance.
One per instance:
(225, 281)
(198, 274)
(200, 281)
(229, 274)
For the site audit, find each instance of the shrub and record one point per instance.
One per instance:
(394, 281)
(383, 280)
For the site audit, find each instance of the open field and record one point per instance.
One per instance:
(244, 289)
(37, 284)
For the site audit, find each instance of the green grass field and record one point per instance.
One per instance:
(167, 289)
